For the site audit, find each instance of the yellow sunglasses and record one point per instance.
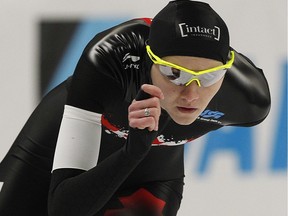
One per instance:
(182, 76)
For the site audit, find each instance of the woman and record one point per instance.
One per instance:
(139, 92)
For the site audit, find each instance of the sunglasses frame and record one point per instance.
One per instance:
(158, 60)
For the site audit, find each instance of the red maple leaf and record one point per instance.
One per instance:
(141, 202)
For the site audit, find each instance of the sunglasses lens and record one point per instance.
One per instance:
(176, 76)
(209, 79)
(180, 77)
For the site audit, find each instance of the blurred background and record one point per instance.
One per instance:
(233, 171)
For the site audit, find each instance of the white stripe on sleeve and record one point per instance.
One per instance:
(79, 139)
(1, 184)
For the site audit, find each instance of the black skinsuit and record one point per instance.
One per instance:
(127, 180)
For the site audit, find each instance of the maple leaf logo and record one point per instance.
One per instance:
(140, 203)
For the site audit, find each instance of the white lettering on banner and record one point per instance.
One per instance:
(1, 184)
(199, 31)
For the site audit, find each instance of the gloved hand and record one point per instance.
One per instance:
(144, 115)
